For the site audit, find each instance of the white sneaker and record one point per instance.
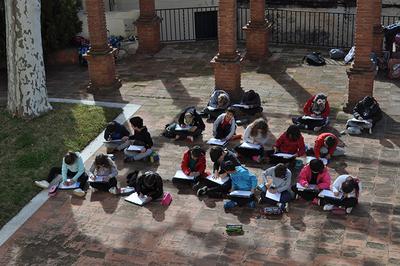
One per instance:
(79, 192)
(348, 210)
(42, 184)
(316, 129)
(328, 207)
(114, 190)
(287, 207)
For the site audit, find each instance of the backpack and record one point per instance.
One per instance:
(314, 59)
(337, 54)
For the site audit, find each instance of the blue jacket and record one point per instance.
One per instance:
(242, 179)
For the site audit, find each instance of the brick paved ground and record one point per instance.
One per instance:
(103, 229)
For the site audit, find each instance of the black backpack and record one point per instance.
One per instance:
(314, 59)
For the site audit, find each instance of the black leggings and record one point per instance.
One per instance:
(55, 171)
(222, 132)
(245, 152)
(276, 159)
(215, 190)
(185, 133)
(346, 202)
(104, 186)
(308, 195)
(310, 123)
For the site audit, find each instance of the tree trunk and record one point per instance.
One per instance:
(27, 93)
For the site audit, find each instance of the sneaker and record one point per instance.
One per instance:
(202, 191)
(229, 204)
(286, 207)
(256, 158)
(79, 192)
(94, 189)
(316, 129)
(190, 138)
(328, 207)
(196, 186)
(315, 201)
(297, 196)
(370, 131)
(127, 190)
(42, 184)
(251, 204)
(348, 210)
(114, 190)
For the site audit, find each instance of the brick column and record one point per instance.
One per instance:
(148, 28)
(257, 31)
(100, 57)
(227, 62)
(378, 30)
(361, 75)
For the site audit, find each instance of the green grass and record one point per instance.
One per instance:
(28, 149)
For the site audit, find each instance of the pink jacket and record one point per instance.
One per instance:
(323, 180)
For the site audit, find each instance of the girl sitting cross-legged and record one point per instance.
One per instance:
(103, 173)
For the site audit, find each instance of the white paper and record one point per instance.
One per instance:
(284, 155)
(211, 108)
(359, 121)
(185, 128)
(214, 141)
(329, 194)
(218, 180)
(324, 160)
(312, 117)
(135, 148)
(181, 175)
(245, 106)
(135, 199)
(274, 196)
(300, 187)
(241, 193)
(100, 178)
(114, 141)
(73, 186)
(247, 145)
(310, 187)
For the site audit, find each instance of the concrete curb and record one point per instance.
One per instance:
(29, 209)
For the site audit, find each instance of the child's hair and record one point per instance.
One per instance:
(223, 99)
(70, 157)
(330, 141)
(136, 121)
(112, 126)
(196, 151)
(102, 160)
(350, 185)
(293, 132)
(228, 166)
(215, 153)
(317, 166)
(149, 179)
(230, 110)
(280, 170)
(259, 124)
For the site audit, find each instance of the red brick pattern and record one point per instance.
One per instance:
(97, 25)
(361, 84)
(148, 28)
(378, 31)
(102, 71)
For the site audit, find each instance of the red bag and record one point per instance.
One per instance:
(167, 199)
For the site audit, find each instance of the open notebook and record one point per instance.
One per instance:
(247, 145)
(100, 179)
(312, 117)
(241, 194)
(135, 148)
(181, 175)
(218, 142)
(274, 196)
(65, 187)
(116, 141)
(310, 187)
(182, 128)
(135, 199)
(309, 158)
(244, 106)
(218, 180)
(329, 194)
(284, 155)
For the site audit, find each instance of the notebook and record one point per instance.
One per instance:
(310, 187)
(100, 179)
(329, 194)
(355, 120)
(284, 155)
(184, 128)
(241, 194)
(214, 141)
(211, 108)
(247, 145)
(135, 199)
(65, 187)
(274, 196)
(309, 158)
(134, 148)
(181, 175)
(116, 141)
(312, 117)
(218, 180)
(245, 106)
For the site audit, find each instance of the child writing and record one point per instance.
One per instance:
(225, 125)
(114, 132)
(192, 120)
(140, 137)
(103, 173)
(316, 113)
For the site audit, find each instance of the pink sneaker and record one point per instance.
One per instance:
(256, 158)
(315, 201)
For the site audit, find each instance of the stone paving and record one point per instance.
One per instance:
(103, 229)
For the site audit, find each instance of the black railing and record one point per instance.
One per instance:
(325, 29)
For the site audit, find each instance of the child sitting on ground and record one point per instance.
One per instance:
(326, 146)
(313, 178)
(192, 120)
(250, 104)
(366, 114)
(316, 113)
(115, 131)
(217, 104)
(242, 180)
(140, 137)
(350, 187)
(103, 173)
(225, 125)
(290, 142)
(72, 170)
(277, 179)
(149, 184)
(255, 133)
(194, 163)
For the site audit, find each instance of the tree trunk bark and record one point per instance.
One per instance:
(27, 93)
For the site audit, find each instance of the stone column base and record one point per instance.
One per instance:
(102, 71)
(257, 40)
(227, 76)
(361, 84)
(149, 35)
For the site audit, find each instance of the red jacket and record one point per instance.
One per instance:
(286, 145)
(200, 165)
(307, 108)
(319, 143)
(323, 180)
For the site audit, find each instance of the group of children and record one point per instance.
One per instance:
(276, 187)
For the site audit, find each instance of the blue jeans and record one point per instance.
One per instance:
(137, 156)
